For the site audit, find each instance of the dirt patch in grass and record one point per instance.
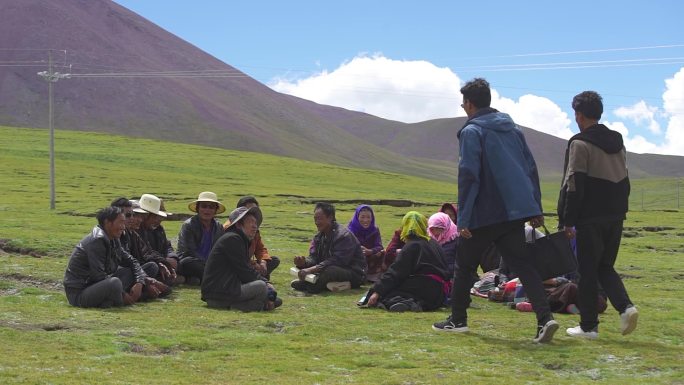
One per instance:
(7, 247)
(31, 327)
(29, 281)
(374, 202)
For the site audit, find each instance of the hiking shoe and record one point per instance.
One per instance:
(405, 305)
(545, 332)
(451, 326)
(299, 285)
(628, 320)
(578, 332)
(338, 286)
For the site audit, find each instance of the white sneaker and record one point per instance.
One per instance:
(578, 332)
(338, 286)
(628, 320)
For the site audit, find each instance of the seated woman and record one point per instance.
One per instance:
(362, 225)
(445, 232)
(334, 256)
(417, 280)
(393, 248)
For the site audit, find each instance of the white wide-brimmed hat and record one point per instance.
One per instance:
(136, 207)
(207, 196)
(151, 204)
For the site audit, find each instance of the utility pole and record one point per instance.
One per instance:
(51, 77)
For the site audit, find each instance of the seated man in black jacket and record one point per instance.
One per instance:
(100, 273)
(418, 278)
(229, 280)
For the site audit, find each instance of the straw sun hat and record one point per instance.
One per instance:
(207, 196)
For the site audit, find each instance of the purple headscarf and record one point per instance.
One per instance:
(355, 226)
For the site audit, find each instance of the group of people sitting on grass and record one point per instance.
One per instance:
(127, 257)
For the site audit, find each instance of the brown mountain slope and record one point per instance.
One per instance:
(233, 111)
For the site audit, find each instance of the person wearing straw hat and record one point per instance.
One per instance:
(197, 236)
(149, 229)
(229, 279)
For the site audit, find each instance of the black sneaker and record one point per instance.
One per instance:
(299, 285)
(545, 332)
(450, 326)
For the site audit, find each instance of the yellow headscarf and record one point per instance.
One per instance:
(414, 223)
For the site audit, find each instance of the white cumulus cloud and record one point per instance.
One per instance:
(640, 113)
(407, 91)
(673, 104)
(535, 112)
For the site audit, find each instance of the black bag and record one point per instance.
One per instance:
(552, 254)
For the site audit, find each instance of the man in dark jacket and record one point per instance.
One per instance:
(197, 236)
(592, 207)
(229, 280)
(335, 256)
(100, 273)
(498, 191)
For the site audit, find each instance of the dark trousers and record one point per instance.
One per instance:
(335, 274)
(424, 290)
(509, 238)
(597, 250)
(191, 267)
(271, 265)
(105, 293)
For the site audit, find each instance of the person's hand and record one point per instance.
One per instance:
(270, 286)
(373, 300)
(465, 233)
(366, 252)
(300, 261)
(569, 232)
(135, 292)
(166, 273)
(303, 273)
(537, 221)
(172, 262)
(261, 267)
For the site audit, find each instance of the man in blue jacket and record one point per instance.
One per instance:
(498, 191)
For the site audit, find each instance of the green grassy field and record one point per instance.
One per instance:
(321, 339)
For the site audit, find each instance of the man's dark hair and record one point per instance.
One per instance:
(477, 92)
(327, 208)
(108, 214)
(247, 199)
(589, 104)
(121, 202)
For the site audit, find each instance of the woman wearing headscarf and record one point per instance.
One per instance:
(445, 232)
(451, 210)
(362, 225)
(417, 280)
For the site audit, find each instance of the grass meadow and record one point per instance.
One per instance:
(321, 339)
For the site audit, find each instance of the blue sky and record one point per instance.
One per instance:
(406, 60)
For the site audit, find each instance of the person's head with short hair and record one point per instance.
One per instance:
(476, 95)
(324, 216)
(588, 106)
(247, 201)
(126, 207)
(112, 221)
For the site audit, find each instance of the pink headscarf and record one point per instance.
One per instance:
(442, 221)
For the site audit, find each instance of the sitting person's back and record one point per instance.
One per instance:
(418, 278)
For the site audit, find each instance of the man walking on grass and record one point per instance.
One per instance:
(592, 207)
(498, 191)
